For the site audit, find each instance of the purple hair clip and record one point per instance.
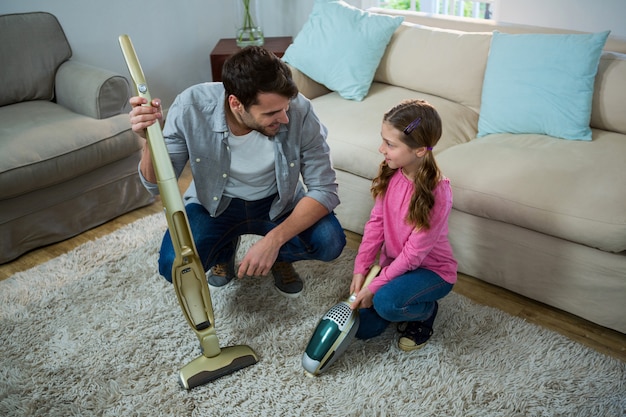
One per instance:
(411, 127)
(430, 148)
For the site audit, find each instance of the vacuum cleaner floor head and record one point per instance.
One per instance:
(203, 370)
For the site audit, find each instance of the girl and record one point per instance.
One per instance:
(409, 227)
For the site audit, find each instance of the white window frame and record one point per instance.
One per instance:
(449, 7)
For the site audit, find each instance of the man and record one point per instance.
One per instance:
(260, 165)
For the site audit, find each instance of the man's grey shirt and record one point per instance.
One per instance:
(196, 131)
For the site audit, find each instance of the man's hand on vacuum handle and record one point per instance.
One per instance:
(142, 116)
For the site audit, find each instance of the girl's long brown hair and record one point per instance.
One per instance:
(427, 133)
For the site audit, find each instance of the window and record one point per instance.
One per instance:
(478, 9)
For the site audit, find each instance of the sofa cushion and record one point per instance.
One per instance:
(45, 144)
(445, 63)
(540, 83)
(340, 46)
(362, 138)
(306, 85)
(608, 110)
(32, 48)
(568, 189)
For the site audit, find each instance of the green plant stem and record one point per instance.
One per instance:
(248, 23)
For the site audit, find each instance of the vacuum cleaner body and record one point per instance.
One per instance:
(188, 277)
(330, 338)
(334, 332)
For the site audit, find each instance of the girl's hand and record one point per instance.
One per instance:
(363, 295)
(357, 283)
(364, 299)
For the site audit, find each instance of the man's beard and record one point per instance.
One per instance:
(252, 124)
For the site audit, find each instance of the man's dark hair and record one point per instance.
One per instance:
(256, 70)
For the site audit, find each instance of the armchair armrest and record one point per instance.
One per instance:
(307, 86)
(91, 91)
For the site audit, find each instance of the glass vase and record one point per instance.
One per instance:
(249, 31)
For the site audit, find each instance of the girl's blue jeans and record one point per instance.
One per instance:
(216, 237)
(408, 297)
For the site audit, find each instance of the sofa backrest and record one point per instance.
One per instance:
(32, 47)
(608, 108)
(460, 48)
(446, 63)
(613, 44)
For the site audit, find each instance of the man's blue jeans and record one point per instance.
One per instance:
(216, 237)
(409, 297)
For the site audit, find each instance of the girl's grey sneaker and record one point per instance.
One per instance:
(415, 334)
(286, 279)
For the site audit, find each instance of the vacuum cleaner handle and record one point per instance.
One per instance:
(195, 299)
(163, 166)
(371, 274)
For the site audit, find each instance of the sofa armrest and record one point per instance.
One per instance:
(91, 91)
(307, 86)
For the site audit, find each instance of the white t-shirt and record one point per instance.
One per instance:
(252, 173)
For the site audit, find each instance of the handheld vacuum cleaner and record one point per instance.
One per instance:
(333, 333)
(188, 275)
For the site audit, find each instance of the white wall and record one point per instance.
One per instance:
(581, 15)
(174, 39)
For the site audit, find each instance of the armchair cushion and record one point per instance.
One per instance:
(32, 49)
(44, 144)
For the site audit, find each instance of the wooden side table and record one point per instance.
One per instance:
(227, 47)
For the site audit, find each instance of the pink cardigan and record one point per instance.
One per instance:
(402, 247)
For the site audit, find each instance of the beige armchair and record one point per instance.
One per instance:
(68, 158)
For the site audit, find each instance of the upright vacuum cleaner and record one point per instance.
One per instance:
(188, 275)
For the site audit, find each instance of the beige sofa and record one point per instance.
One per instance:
(541, 216)
(68, 157)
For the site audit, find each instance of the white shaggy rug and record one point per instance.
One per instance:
(97, 332)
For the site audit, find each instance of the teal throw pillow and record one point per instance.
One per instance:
(340, 46)
(540, 83)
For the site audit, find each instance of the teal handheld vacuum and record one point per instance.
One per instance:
(188, 275)
(334, 332)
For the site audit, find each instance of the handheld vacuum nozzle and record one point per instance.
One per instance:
(333, 333)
